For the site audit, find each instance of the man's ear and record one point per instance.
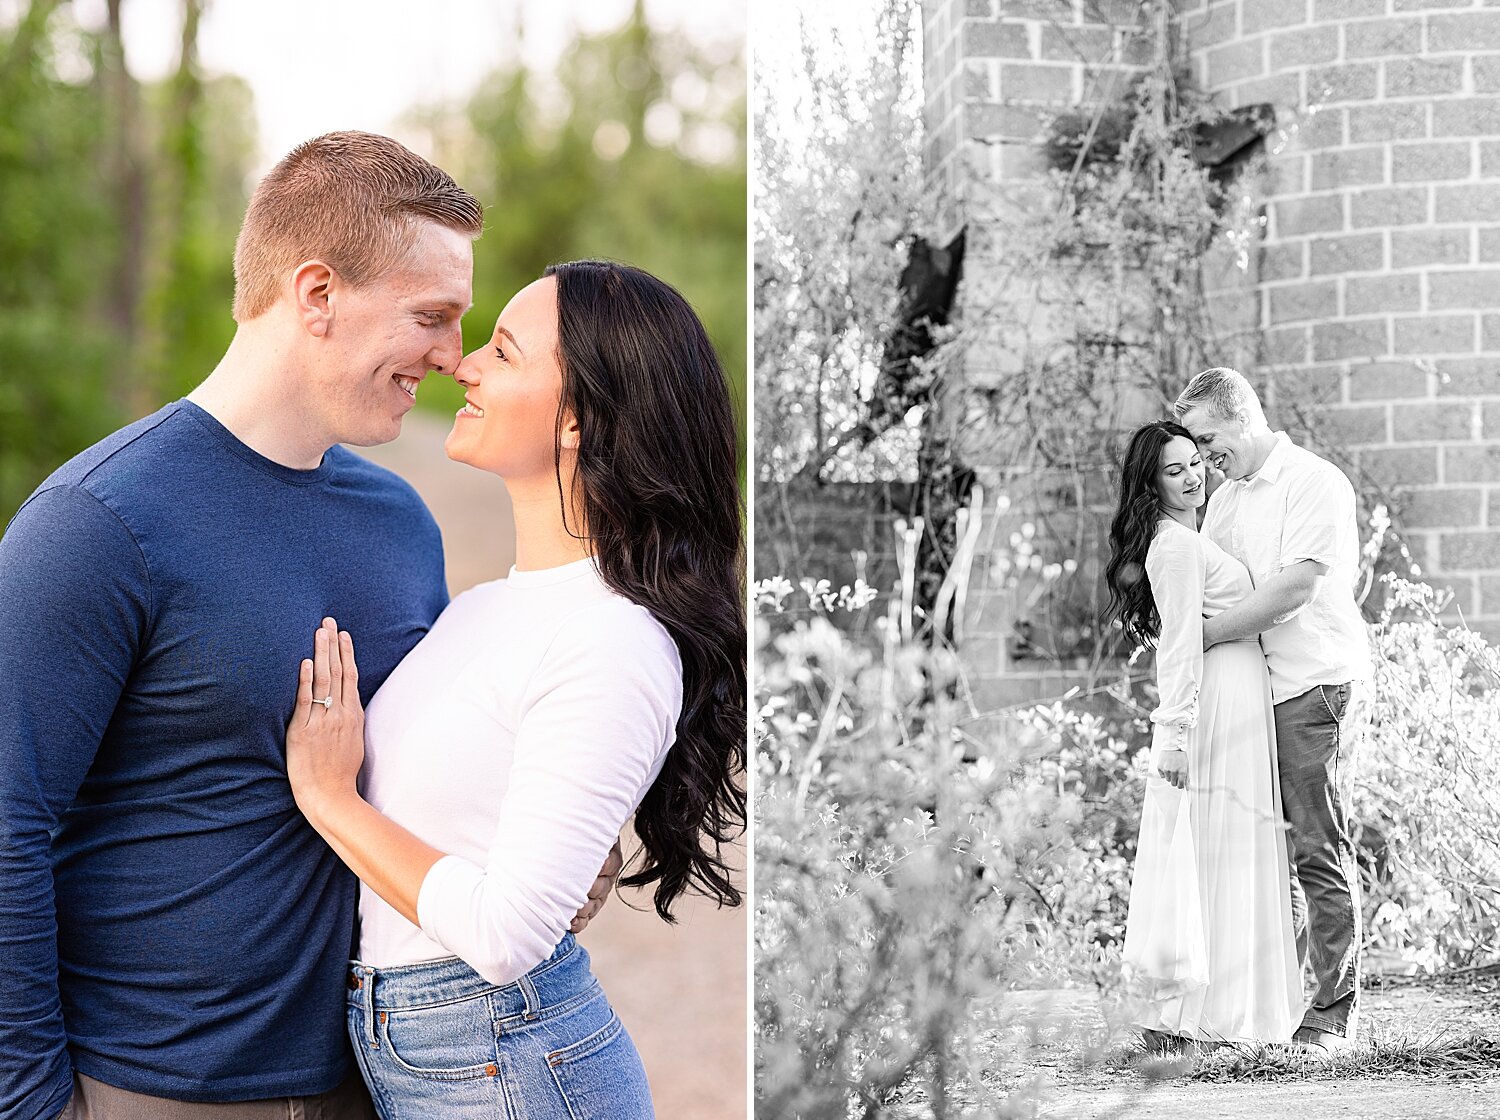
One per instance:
(312, 292)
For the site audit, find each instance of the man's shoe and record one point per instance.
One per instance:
(1162, 1042)
(1321, 1041)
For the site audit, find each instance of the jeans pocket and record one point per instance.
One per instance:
(601, 1076)
(453, 1042)
(1335, 699)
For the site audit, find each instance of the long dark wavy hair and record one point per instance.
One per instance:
(1134, 525)
(657, 484)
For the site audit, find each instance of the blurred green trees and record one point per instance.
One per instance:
(632, 149)
(120, 200)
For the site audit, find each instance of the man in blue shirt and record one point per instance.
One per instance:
(173, 935)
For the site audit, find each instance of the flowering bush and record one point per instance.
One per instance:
(914, 858)
(1427, 792)
(1094, 764)
(910, 861)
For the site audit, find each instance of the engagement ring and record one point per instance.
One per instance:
(327, 702)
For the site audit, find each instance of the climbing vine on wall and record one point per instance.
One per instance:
(1097, 300)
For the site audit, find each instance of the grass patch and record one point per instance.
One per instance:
(1443, 1054)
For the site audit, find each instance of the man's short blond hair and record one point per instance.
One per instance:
(1223, 391)
(352, 200)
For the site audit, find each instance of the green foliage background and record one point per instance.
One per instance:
(120, 201)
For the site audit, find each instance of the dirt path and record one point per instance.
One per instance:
(1059, 1023)
(679, 990)
(1347, 1100)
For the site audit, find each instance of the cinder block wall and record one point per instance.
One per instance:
(1371, 306)
(1379, 275)
(819, 533)
(994, 72)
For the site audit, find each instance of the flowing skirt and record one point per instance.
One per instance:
(1209, 931)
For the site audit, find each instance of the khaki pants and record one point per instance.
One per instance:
(94, 1100)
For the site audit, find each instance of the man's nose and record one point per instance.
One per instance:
(445, 356)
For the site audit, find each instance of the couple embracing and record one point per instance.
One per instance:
(1245, 869)
(238, 712)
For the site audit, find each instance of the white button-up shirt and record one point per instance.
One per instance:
(1299, 507)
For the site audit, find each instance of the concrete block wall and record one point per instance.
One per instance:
(1379, 273)
(829, 525)
(1371, 302)
(1020, 62)
(943, 91)
(1017, 62)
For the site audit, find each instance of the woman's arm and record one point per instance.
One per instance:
(595, 720)
(325, 749)
(1176, 571)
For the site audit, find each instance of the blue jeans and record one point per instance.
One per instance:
(1314, 747)
(437, 1039)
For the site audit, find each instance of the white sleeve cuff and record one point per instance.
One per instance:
(451, 910)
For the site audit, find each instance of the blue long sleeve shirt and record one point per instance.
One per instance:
(169, 923)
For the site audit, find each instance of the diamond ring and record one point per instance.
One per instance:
(327, 702)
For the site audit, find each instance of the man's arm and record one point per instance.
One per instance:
(74, 603)
(604, 885)
(1270, 604)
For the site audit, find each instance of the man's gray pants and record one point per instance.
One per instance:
(1314, 746)
(94, 1100)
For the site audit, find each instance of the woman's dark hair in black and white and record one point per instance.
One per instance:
(1133, 527)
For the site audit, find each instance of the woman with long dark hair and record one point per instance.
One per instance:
(1209, 930)
(604, 676)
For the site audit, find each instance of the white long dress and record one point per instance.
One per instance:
(1209, 931)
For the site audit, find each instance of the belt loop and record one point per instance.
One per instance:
(533, 1003)
(369, 994)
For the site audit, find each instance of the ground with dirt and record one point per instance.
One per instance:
(680, 990)
(1064, 1026)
